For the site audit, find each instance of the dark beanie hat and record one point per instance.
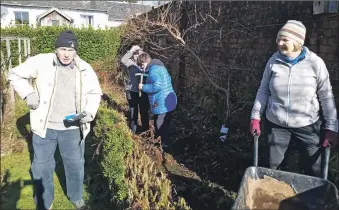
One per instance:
(67, 39)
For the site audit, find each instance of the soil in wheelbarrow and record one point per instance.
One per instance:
(270, 193)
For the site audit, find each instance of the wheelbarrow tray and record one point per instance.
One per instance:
(313, 192)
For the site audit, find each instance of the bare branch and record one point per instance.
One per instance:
(189, 40)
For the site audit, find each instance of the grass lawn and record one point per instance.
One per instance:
(17, 185)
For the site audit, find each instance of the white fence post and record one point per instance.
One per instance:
(6, 65)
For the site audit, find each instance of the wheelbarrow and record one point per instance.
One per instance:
(312, 193)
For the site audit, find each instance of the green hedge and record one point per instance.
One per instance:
(111, 129)
(93, 44)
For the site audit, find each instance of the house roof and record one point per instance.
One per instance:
(115, 10)
(19, 4)
(52, 10)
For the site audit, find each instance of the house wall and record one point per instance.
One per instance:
(9, 18)
(100, 19)
(114, 23)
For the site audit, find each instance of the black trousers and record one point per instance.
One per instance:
(307, 141)
(162, 125)
(135, 103)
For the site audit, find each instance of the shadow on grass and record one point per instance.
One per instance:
(9, 191)
(95, 185)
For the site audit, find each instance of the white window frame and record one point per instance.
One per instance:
(87, 20)
(58, 21)
(22, 19)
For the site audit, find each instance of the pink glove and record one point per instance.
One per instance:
(331, 138)
(255, 127)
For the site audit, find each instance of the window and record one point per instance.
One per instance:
(21, 18)
(55, 22)
(87, 20)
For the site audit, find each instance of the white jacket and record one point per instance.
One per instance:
(42, 68)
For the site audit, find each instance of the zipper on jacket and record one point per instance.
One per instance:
(50, 101)
(288, 94)
(80, 101)
(80, 89)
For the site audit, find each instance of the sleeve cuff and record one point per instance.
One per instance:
(333, 126)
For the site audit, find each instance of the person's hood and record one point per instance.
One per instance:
(157, 62)
(154, 62)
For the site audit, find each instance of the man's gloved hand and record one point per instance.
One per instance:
(135, 48)
(32, 101)
(331, 138)
(86, 119)
(255, 127)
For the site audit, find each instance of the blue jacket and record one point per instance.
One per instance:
(159, 87)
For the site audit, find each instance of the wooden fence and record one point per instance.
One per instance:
(6, 64)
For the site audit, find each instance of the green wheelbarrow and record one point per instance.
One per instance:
(312, 193)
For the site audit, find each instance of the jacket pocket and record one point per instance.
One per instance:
(155, 104)
(277, 111)
(273, 107)
(314, 107)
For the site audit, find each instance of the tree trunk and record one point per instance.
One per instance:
(181, 72)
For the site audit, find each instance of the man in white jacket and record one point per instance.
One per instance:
(64, 85)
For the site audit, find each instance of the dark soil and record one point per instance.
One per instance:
(204, 171)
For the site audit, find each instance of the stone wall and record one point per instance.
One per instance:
(235, 45)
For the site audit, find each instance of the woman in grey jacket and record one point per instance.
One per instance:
(294, 90)
(135, 102)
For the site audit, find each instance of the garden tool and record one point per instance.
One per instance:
(142, 75)
(72, 118)
(327, 161)
(75, 117)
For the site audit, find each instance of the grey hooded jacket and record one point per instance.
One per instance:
(294, 95)
(132, 68)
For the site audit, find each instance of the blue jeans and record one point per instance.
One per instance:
(43, 166)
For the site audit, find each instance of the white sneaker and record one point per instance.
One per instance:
(80, 204)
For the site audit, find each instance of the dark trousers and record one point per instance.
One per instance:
(162, 125)
(43, 166)
(135, 103)
(307, 140)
